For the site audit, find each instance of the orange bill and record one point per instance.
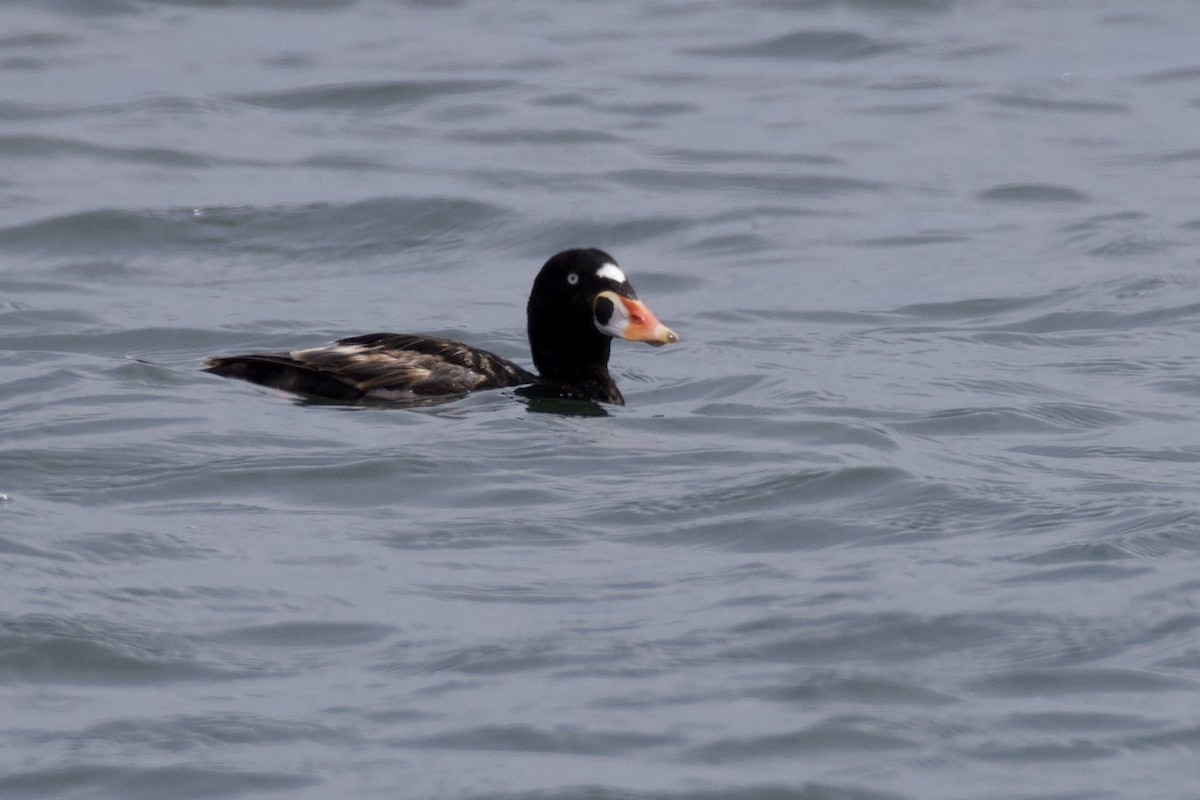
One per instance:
(630, 319)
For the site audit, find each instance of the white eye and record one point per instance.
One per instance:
(572, 278)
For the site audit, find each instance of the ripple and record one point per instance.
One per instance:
(1185, 454)
(181, 733)
(41, 147)
(854, 688)
(1082, 680)
(1173, 75)
(1032, 193)
(614, 233)
(168, 105)
(1077, 552)
(977, 421)
(1078, 721)
(131, 547)
(494, 659)
(760, 494)
(318, 231)
(1096, 320)
(914, 240)
(1188, 386)
(270, 5)
(976, 308)
(148, 782)
(751, 791)
(368, 97)
(531, 739)
(845, 735)
(1109, 573)
(1180, 736)
(808, 45)
(1049, 750)
(1058, 104)
(557, 136)
(35, 40)
(792, 185)
(59, 650)
(1120, 235)
(306, 633)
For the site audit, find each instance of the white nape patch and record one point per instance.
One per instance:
(612, 272)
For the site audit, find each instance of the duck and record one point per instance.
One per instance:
(580, 302)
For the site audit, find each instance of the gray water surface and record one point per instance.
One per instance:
(911, 512)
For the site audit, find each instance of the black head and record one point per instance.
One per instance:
(580, 301)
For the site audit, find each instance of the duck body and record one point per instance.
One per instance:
(580, 301)
(382, 367)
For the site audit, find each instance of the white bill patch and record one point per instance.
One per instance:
(612, 272)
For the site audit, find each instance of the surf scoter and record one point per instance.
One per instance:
(580, 302)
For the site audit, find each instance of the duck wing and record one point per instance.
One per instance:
(377, 366)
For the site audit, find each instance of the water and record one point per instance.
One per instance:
(911, 511)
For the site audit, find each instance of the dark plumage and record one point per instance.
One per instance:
(580, 301)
